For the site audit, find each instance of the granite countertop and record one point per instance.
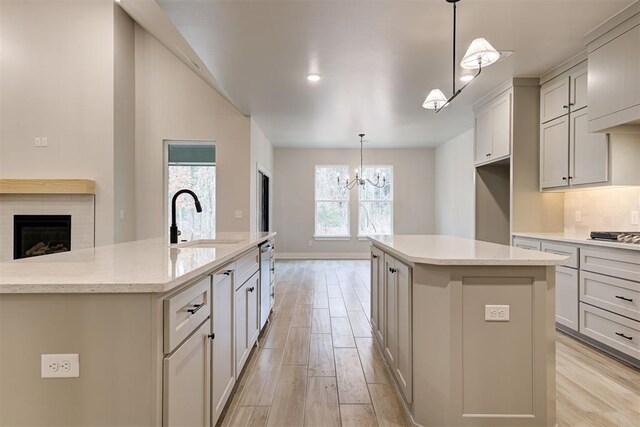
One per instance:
(575, 238)
(143, 266)
(449, 250)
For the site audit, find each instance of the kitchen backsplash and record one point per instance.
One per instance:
(604, 210)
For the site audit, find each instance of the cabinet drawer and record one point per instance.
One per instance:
(611, 329)
(617, 295)
(185, 311)
(246, 266)
(565, 250)
(622, 264)
(520, 242)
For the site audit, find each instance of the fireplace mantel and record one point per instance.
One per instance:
(47, 186)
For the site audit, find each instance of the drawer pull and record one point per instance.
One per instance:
(624, 299)
(620, 334)
(227, 272)
(392, 270)
(195, 308)
(273, 269)
(251, 289)
(374, 256)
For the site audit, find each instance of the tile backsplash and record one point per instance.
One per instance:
(603, 210)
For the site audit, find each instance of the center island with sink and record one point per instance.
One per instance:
(467, 329)
(155, 334)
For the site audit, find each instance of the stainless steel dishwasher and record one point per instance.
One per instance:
(266, 253)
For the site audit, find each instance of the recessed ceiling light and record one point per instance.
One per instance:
(313, 77)
(467, 78)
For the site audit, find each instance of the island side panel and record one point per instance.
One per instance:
(470, 372)
(112, 334)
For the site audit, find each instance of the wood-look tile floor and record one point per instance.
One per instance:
(317, 364)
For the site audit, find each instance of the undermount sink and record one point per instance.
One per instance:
(206, 243)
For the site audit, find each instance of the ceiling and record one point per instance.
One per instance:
(378, 59)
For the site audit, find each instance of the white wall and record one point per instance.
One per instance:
(57, 81)
(173, 103)
(294, 197)
(261, 156)
(454, 194)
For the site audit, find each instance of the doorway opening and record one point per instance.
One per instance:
(263, 201)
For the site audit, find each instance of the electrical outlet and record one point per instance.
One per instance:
(634, 218)
(496, 313)
(38, 142)
(578, 216)
(44, 142)
(60, 366)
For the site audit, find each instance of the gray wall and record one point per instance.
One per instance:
(294, 197)
(454, 194)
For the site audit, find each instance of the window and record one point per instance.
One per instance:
(332, 203)
(192, 166)
(375, 212)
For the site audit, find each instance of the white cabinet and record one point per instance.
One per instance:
(614, 74)
(377, 294)
(186, 381)
(554, 153)
(567, 297)
(246, 319)
(589, 152)
(398, 324)
(578, 82)
(223, 371)
(253, 320)
(554, 99)
(493, 129)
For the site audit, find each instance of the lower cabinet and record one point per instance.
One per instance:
(377, 296)
(398, 331)
(567, 297)
(186, 382)
(246, 319)
(223, 364)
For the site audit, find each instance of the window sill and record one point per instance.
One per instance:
(331, 237)
(372, 235)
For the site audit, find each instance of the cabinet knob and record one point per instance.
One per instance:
(570, 177)
(565, 106)
(374, 256)
(251, 289)
(273, 269)
(488, 155)
(211, 336)
(392, 270)
(273, 295)
(227, 272)
(564, 178)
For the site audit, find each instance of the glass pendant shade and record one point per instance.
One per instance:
(480, 53)
(435, 100)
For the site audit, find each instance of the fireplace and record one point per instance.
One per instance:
(35, 235)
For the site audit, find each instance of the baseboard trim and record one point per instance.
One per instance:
(322, 255)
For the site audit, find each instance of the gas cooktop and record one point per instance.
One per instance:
(617, 236)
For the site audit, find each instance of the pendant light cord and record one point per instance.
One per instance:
(454, 49)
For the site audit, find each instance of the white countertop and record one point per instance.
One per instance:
(144, 266)
(580, 239)
(449, 250)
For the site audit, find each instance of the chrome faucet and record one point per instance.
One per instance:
(173, 230)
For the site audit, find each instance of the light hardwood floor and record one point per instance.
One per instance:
(317, 364)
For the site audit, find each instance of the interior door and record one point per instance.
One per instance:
(263, 202)
(554, 146)
(589, 152)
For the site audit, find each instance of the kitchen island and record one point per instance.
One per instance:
(161, 332)
(467, 329)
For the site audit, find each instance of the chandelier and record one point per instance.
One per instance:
(480, 54)
(360, 179)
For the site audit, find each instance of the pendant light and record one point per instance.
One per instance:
(480, 54)
(360, 179)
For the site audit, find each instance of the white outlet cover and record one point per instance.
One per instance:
(238, 214)
(60, 366)
(496, 313)
(578, 216)
(634, 217)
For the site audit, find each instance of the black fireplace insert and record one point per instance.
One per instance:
(35, 235)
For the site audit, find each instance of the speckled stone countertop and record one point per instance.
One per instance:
(578, 239)
(144, 266)
(449, 250)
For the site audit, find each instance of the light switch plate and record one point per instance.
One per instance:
(496, 313)
(634, 217)
(60, 365)
(238, 214)
(578, 216)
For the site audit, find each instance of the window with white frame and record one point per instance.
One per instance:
(332, 202)
(375, 208)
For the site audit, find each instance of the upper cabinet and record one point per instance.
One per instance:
(614, 72)
(564, 94)
(493, 129)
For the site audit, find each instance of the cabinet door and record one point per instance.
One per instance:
(501, 135)
(567, 297)
(186, 381)
(223, 371)
(240, 316)
(377, 294)
(554, 99)
(253, 326)
(554, 153)
(578, 79)
(391, 313)
(403, 369)
(589, 151)
(484, 135)
(614, 82)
